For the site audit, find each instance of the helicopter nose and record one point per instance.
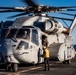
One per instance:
(8, 50)
(8, 54)
(8, 46)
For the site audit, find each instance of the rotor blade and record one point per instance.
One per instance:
(11, 10)
(3, 11)
(66, 7)
(30, 3)
(66, 13)
(18, 15)
(61, 18)
(67, 10)
(55, 9)
(7, 7)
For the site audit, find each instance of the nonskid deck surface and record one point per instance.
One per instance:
(56, 68)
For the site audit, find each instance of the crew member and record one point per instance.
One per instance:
(46, 58)
(45, 42)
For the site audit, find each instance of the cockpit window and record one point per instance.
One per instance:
(11, 33)
(23, 33)
(8, 33)
(4, 32)
(22, 45)
(15, 33)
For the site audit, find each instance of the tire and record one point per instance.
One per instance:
(68, 61)
(15, 67)
(64, 62)
(8, 67)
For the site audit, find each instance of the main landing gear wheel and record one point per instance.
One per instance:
(14, 67)
(67, 62)
(8, 67)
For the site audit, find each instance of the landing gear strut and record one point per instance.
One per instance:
(8, 67)
(12, 66)
(15, 67)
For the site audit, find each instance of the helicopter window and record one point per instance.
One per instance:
(35, 37)
(22, 45)
(8, 33)
(23, 33)
(4, 33)
(12, 33)
(40, 25)
(6, 24)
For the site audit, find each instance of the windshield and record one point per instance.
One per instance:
(8, 33)
(15, 33)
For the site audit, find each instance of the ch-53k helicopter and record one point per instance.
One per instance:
(21, 41)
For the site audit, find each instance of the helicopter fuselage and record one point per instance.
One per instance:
(22, 41)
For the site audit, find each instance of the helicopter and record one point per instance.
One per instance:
(22, 40)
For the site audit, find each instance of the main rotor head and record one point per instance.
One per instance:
(34, 8)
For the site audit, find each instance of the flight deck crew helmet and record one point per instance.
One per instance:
(44, 47)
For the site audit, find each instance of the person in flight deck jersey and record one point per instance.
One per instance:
(46, 58)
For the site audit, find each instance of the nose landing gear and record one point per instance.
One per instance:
(12, 66)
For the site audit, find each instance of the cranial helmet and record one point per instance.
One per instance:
(44, 47)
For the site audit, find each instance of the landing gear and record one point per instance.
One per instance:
(67, 62)
(12, 66)
(15, 67)
(8, 67)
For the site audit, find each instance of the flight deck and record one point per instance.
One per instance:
(56, 68)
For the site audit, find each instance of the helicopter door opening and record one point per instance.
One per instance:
(44, 41)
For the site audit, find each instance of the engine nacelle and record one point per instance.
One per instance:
(53, 27)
